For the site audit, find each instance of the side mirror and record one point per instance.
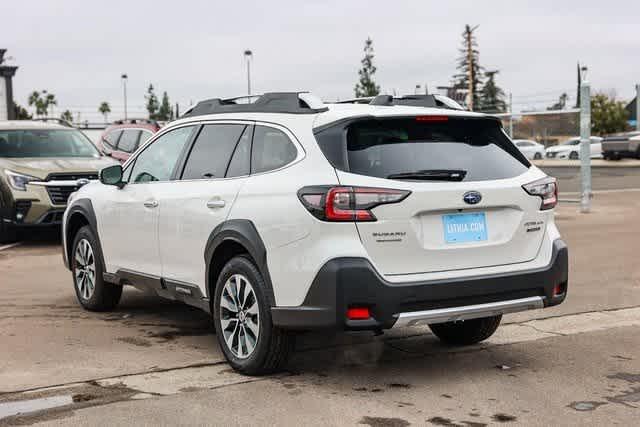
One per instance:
(112, 175)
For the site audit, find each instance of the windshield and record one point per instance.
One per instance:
(453, 149)
(46, 143)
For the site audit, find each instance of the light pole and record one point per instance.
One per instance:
(124, 78)
(585, 142)
(248, 55)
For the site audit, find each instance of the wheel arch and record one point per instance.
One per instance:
(80, 214)
(229, 239)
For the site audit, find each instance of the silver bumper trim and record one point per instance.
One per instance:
(467, 312)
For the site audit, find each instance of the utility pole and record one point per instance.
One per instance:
(124, 78)
(638, 107)
(510, 115)
(585, 143)
(248, 55)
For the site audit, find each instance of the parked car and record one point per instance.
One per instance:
(530, 149)
(570, 149)
(125, 136)
(622, 145)
(287, 214)
(41, 164)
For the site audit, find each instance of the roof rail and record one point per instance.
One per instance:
(272, 102)
(433, 101)
(134, 121)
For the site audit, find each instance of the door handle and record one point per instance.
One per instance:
(151, 204)
(215, 203)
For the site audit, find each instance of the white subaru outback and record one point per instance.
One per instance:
(286, 214)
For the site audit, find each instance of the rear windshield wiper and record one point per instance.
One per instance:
(432, 175)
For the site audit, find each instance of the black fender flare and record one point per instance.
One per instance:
(243, 232)
(82, 207)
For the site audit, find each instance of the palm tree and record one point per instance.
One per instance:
(104, 109)
(49, 100)
(35, 100)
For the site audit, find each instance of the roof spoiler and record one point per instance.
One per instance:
(429, 101)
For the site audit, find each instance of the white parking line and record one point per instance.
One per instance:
(9, 246)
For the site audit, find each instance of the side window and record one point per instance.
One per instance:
(128, 140)
(212, 151)
(241, 160)
(158, 160)
(144, 136)
(111, 139)
(271, 150)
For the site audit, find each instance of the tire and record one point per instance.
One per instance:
(237, 332)
(86, 263)
(466, 332)
(574, 155)
(537, 156)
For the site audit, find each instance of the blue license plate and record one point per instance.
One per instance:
(466, 227)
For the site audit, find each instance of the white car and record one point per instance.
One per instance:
(530, 149)
(570, 149)
(287, 214)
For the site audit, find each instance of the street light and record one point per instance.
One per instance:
(124, 78)
(248, 55)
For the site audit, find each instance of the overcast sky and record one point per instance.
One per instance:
(78, 49)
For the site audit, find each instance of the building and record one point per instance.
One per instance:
(7, 107)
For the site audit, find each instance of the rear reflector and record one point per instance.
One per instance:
(358, 313)
(559, 289)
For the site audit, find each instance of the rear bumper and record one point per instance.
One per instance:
(346, 282)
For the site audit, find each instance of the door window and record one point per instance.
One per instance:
(240, 164)
(128, 140)
(271, 149)
(212, 151)
(111, 139)
(158, 160)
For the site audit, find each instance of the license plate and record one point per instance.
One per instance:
(466, 227)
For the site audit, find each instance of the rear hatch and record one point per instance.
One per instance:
(467, 207)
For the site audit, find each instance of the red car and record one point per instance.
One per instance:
(125, 136)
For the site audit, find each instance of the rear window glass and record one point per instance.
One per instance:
(387, 147)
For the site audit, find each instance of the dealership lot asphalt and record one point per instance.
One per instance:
(155, 362)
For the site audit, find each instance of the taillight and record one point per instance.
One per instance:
(546, 189)
(347, 204)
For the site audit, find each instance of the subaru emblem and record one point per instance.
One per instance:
(82, 181)
(472, 197)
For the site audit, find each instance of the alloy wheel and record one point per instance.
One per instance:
(85, 269)
(239, 316)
